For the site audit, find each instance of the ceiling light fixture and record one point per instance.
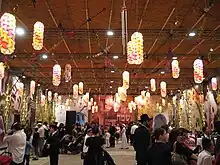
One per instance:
(146, 87)
(110, 87)
(174, 58)
(162, 72)
(115, 57)
(20, 31)
(110, 33)
(211, 49)
(112, 71)
(44, 56)
(192, 34)
(111, 81)
(38, 84)
(23, 76)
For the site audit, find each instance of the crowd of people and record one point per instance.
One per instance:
(153, 146)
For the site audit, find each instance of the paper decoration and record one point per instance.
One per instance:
(67, 73)
(175, 69)
(153, 85)
(125, 77)
(198, 71)
(163, 88)
(32, 87)
(56, 75)
(38, 36)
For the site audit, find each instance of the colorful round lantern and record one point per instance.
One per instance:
(125, 77)
(175, 69)
(49, 96)
(214, 83)
(67, 73)
(56, 75)
(32, 87)
(198, 71)
(7, 33)
(75, 91)
(2, 70)
(152, 85)
(38, 36)
(80, 88)
(163, 89)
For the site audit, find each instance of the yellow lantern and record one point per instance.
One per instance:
(43, 100)
(20, 88)
(175, 69)
(152, 85)
(38, 36)
(67, 72)
(2, 70)
(214, 83)
(163, 89)
(7, 33)
(80, 88)
(75, 91)
(49, 96)
(122, 93)
(56, 75)
(198, 71)
(32, 88)
(125, 77)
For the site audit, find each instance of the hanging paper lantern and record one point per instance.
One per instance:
(152, 85)
(163, 89)
(20, 88)
(93, 109)
(122, 93)
(59, 99)
(135, 53)
(80, 88)
(94, 103)
(38, 36)
(55, 96)
(91, 100)
(143, 93)
(49, 96)
(163, 102)
(86, 98)
(148, 97)
(198, 71)
(32, 88)
(67, 73)
(96, 108)
(117, 98)
(2, 70)
(43, 100)
(130, 107)
(125, 77)
(75, 91)
(7, 33)
(139, 100)
(116, 107)
(214, 83)
(175, 69)
(56, 75)
(174, 100)
(67, 102)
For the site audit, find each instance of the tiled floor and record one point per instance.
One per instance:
(121, 157)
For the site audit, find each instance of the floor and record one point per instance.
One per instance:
(121, 157)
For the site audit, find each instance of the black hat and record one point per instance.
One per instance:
(145, 117)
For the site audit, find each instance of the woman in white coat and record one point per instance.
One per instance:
(124, 144)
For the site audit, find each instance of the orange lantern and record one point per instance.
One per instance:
(7, 33)
(125, 77)
(163, 89)
(56, 75)
(175, 69)
(38, 36)
(32, 88)
(214, 83)
(80, 88)
(198, 71)
(67, 72)
(152, 85)
(43, 100)
(49, 96)
(2, 70)
(75, 91)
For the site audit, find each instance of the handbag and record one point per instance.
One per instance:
(178, 159)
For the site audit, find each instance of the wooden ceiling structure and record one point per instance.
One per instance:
(75, 33)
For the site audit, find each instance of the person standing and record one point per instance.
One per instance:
(112, 131)
(160, 152)
(124, 144)
(35, 144)
(27, 150)
(133, 128)
(142, 140)
(53, 145)
(16, 140)
(41, 132)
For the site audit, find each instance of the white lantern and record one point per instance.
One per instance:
(198, 71)
(49, 96)
(143, 93)
(152, 85)
(55, 96)
(20, 88)
(214, 83)
(43, 100)
(93, 109)
(2, 70)
(32, 87)
(116, 107)
(38, 36)
(80, 88)
(67, 72)
(175, 69)
(163, 88)
(163, 102)
(125, 77)
(89, 105)
(148, 97)
(91, 100)
(75, 91)
(117, 98)
(56, 75)
(122, 93)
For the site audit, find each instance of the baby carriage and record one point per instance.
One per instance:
(5, 158)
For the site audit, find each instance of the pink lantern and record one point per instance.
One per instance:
(56, 75)
(198, 71)
(38, 36)
(75, 91)
(214, 83)
(67, 72)
(175, 69)
(2, 70)
(80, 88)
(163, 89)
(125, 77)
(152, 85)
(32, 88)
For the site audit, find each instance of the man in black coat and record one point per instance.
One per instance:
(141, 140)
(112, 131)
(53, 145)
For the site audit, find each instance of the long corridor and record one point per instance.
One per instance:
(121, 157)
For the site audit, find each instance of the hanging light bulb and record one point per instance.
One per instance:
(38, 36)
(2, 70)
(214, 83)
(125, 77)
(56, 75)
(198, 71)
(80, 88)
(175, 69)
(75, 91)
(49, 96)
(32, 88)
(152, 85)
(7, 33)
(67, 73)
(163, 88)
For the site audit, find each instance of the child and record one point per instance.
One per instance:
(107, 139)
(27, 151)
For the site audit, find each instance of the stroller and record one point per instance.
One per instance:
(5, 157)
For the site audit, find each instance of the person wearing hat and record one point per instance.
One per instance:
(141, 140)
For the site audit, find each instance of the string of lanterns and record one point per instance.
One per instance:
(38, 36)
